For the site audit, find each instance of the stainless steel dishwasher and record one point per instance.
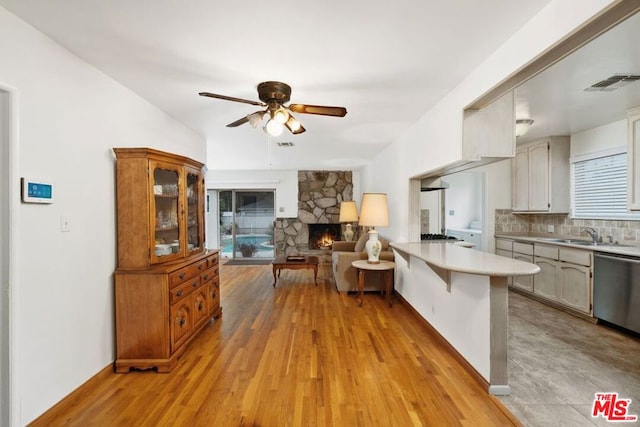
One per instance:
(616, 290)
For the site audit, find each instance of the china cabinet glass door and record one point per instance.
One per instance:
(166, 221)
(195, 193)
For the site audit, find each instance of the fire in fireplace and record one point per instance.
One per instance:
(322, 236)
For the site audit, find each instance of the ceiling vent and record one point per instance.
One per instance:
(285, 144)
(612, 83)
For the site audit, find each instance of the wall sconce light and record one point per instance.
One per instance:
(522, 126)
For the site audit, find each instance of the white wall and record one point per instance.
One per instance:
(4, 258)
(463, 199)
(436, 139)
(611, 135)
(70, 117)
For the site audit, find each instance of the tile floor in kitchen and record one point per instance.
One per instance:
(558, 362)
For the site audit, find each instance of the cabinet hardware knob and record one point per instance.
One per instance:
(200, 267)
(182, 276)
(200, 307)
(206, 277)
(179, 293)
(195, 283)
(182, 321)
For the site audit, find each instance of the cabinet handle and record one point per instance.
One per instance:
(213, 294)
(200, 267)
(195, 284)
(206, 277)
(182, 276)
(179, 293)
(182, 321)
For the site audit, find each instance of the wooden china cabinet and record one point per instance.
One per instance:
(166, 284)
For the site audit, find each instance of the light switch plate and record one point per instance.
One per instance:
(550, 228)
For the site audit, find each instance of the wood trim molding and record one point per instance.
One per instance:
(67, 403)
(608, 18)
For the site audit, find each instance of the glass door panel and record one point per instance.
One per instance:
(246, 223)
(194, 194)
(166, 224)
(253, 215)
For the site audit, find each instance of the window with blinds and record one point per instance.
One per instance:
(600, 188)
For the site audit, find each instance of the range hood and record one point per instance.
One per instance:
(433, 184)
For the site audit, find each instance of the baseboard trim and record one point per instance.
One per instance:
(64, 405)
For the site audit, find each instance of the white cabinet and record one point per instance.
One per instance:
(633, 152)
(541, 176)
(523, 252)
(565, 277)
(576, 279)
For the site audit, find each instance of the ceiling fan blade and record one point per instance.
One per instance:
(294, 125)
(318, 109)
(239, 122)
(231, 98)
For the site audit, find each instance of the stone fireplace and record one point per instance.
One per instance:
(319, 197)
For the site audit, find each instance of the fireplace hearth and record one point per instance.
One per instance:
(322, 236)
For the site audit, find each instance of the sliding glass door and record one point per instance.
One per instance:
(246, 223)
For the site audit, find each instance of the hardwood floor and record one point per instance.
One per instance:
(294, 355)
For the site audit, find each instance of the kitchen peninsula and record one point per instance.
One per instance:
(465, 299)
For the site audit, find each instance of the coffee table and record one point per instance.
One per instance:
(307, 262)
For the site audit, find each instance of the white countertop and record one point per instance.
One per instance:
(612, 249)
(452, 257)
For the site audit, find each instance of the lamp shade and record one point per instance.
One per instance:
(374, 212)
(348, 211)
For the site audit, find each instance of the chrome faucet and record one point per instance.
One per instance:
(593, 233)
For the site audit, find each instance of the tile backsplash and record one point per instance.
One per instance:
(620, 231)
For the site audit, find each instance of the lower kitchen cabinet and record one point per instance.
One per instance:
(565, 277)
(575, 286)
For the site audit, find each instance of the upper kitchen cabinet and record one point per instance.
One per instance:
(541, 176)
(489, 133)
(160, 202)
(633, 154)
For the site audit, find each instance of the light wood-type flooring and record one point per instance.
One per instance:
(295, 355)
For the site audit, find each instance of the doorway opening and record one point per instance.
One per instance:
(246, 220)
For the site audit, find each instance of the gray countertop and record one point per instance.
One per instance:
(573, 242)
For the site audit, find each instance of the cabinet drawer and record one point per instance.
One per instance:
(182, 275)
(212, 261)
(505, 245)
(546, 251)
(523, 248)
(576, 256)
(209, 274)
(180, 292)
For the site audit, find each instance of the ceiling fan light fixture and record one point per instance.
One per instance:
(293, 124)
(274, 128)
(255, 118)
(522, 126)
(280, 115)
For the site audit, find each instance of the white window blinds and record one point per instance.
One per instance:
(600, 188)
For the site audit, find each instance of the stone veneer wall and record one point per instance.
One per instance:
(620, 231)
(319, 197)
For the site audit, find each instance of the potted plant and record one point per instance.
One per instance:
(248, 249)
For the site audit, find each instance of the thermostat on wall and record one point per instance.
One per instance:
(36, 191)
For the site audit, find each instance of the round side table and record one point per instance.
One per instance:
(385, 267)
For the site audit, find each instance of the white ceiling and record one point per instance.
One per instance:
(556, 100)
(386, 62)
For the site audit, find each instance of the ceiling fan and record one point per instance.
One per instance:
(273, 96)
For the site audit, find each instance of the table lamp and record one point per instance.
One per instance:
(348, 214)
(374, 213)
